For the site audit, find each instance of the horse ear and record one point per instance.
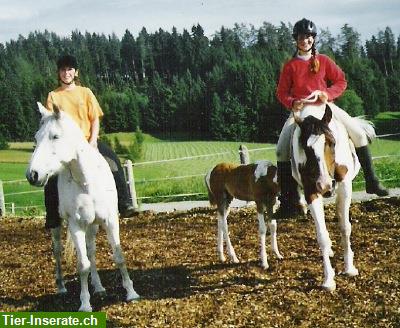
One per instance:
(43, 110)
(328, 114)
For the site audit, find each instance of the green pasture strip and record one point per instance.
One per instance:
(155, 181)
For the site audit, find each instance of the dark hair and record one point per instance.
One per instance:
(67, 61)
(304, 26)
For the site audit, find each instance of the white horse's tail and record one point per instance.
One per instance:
(367, 126)
(69, 250)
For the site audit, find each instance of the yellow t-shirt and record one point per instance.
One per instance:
(80, 103)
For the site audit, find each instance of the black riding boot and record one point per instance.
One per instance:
(51, 202)
(372, 185)
(125, 206)
(289, 197)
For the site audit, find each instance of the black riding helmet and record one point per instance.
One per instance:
(304, 26)
(67, 61)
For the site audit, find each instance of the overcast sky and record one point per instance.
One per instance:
(107, 16)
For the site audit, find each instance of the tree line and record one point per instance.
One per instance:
(220, 88)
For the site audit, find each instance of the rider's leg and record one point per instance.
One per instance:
(125, 206)
(372, 184)
(360, 140)
(51, 202)
(289, 196)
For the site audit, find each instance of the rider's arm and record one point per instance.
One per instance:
(337, 78)
(283, 91)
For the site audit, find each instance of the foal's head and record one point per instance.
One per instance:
(318, 168)
(56, 145)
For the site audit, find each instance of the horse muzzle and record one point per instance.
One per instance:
(33, 178)
(326, 189)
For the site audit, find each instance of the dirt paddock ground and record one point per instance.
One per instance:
(173, 261)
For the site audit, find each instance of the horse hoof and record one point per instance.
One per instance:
(234, 259)
(62, 291)
(351, 272)
(85, 308)
(264, 266)
(330, 287)
(279, 256)
(133, 297)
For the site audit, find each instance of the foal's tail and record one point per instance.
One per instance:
(211, 196)
(368, 127)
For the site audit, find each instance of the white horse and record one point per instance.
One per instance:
(87, 197)
(323, 154)
(253, 182)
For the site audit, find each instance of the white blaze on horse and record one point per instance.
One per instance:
(253, 182)
(87, 197)
(323, 154)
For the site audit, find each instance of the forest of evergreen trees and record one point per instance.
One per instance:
(220, 88)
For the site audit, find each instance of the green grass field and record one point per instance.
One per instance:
(156, 182)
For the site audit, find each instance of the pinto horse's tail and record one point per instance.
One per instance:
(367, 126)
(211, 196)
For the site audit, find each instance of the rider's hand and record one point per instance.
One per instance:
(297, 105)
(323, 96)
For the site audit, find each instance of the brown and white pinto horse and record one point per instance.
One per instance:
(322, 154)
(253, 182)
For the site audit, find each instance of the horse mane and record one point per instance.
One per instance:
(312, 125)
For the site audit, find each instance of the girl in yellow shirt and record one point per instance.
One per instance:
(81, 104)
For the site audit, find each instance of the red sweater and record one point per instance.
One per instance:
(297, 81)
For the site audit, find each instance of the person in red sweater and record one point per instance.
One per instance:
(302, 75)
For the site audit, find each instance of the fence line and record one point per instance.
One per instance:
(23, 192)
(131, 183)
(200, 156)
(171, 178)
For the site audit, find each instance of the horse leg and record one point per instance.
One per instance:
(91, 250)
(78, 236)
(57, 250)
(112, 230)
(220, 236)
(325, 244)
(272, 225)
(262, 231)
(343, 201)
(223, 225)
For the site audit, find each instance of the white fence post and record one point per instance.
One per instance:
(131, 182)
(2, 202)
(244, 155)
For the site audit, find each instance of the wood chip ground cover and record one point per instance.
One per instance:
(173, 262)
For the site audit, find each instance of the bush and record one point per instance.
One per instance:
(119, 148)
(351, 103)
(135, 150)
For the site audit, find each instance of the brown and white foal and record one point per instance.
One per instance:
(253, 182)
